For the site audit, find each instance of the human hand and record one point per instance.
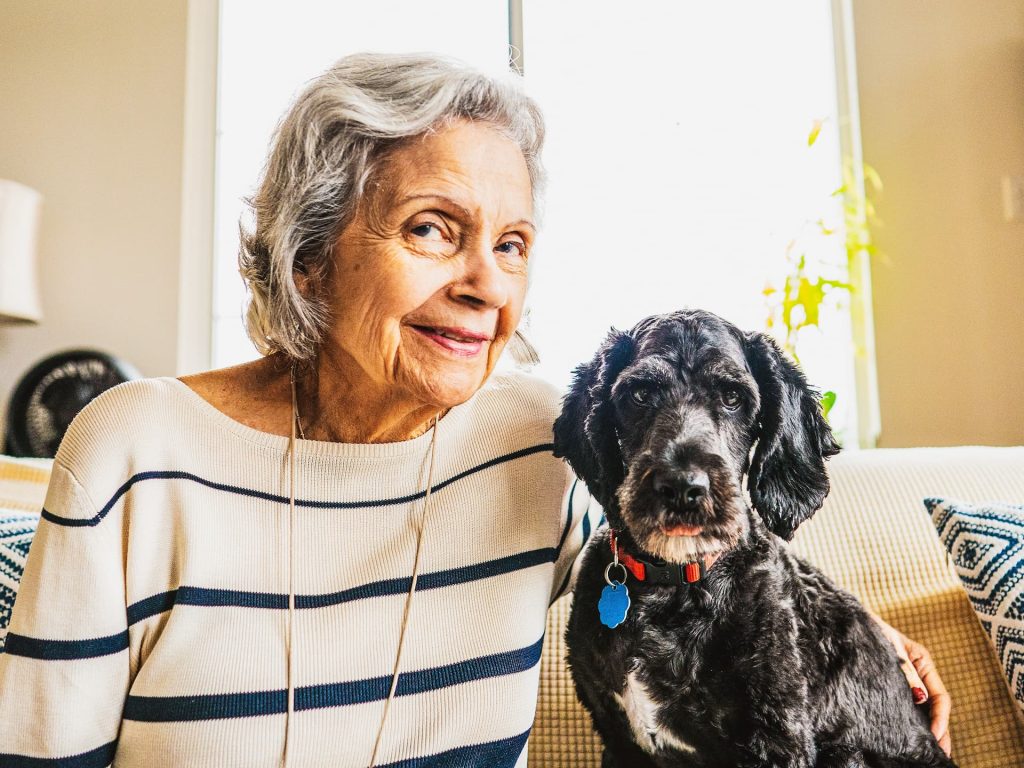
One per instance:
(923, 678)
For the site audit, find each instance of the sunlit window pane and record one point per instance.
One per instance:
(678, 157)
(680, 171)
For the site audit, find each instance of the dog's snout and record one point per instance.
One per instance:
(696, 486)
(684, 489)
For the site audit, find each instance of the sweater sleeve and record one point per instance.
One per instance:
(64, 673)
(581, 515)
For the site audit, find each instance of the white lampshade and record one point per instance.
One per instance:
(19, 226)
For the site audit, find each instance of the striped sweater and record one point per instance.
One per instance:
(150, 629)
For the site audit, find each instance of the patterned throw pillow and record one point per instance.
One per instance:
(23, 485)
(986, 543)
(16, 531)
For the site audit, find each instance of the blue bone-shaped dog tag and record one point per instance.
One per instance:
(614, 604)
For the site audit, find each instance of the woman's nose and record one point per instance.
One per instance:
(483, 282)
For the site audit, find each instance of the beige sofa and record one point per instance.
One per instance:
(874, 537)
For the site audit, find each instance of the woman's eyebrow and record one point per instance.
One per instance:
(520, 223)
(462, 210)
(459, 207)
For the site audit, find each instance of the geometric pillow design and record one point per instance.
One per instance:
(986, 545)
(16, 531)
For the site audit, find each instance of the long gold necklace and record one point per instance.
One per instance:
(290, 696)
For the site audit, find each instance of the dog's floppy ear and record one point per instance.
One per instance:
(787, 481)
(584, 431)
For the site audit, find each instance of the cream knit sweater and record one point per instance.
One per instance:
(150, 627)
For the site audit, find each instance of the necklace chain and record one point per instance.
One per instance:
(412, 588)
(292, 447)
(298, 416)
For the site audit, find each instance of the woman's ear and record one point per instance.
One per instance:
(787, 481)
(303, 283)
(585, 430)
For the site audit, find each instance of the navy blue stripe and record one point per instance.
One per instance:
(586, 536)
(65, 650)
(68, 521)
(179, 709)
(486, 569)
(230, 597)
(164, 709)
(568, 517)
(586, 524)
(151, 606)
(564, 584)
(100, 757)
(202, 596)
(178, 475)
(503, 753)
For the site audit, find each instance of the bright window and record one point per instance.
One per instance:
(678, 158)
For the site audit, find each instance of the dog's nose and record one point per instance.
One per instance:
(685, 489)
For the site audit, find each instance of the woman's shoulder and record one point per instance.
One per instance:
(521, 399)
(121, 423)
(251, 398)
(118, 409)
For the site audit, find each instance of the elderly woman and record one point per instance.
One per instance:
(342, 553)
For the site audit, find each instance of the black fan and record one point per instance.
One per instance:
(53, 392)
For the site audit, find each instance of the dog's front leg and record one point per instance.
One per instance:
(779, 733)
(620, 747)
(773, 724)
(772, 756)
(625, 755)
(780, 748)
(840, 756)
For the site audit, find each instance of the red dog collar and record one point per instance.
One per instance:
(663, 573)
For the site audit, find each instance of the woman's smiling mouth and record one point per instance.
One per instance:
(460, 341)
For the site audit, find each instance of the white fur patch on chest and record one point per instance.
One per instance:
(642, 712)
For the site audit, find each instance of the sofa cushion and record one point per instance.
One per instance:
(16, 531)
(23, 485)
(986, 542)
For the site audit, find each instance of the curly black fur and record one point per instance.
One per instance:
(765, 662)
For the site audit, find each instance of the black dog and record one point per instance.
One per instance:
(747, 656)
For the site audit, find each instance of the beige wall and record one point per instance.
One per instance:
(942, 115)
(91, 115)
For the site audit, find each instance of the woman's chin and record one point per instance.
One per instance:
(447, 389)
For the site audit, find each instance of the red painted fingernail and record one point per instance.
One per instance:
(920, 697)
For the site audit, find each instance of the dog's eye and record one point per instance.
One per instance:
(731, 399)
(641, 395)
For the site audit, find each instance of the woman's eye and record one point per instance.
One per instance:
(512, 247)
(731, 399)
(428, 231)
(640, 395)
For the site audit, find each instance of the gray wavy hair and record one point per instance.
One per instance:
(322, 155)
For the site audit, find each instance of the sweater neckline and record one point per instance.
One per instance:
(449, 422)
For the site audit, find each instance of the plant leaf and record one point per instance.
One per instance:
(815, 131)
(828, 399)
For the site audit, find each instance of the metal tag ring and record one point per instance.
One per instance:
(608, 569)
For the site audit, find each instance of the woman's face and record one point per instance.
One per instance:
(430, 275)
